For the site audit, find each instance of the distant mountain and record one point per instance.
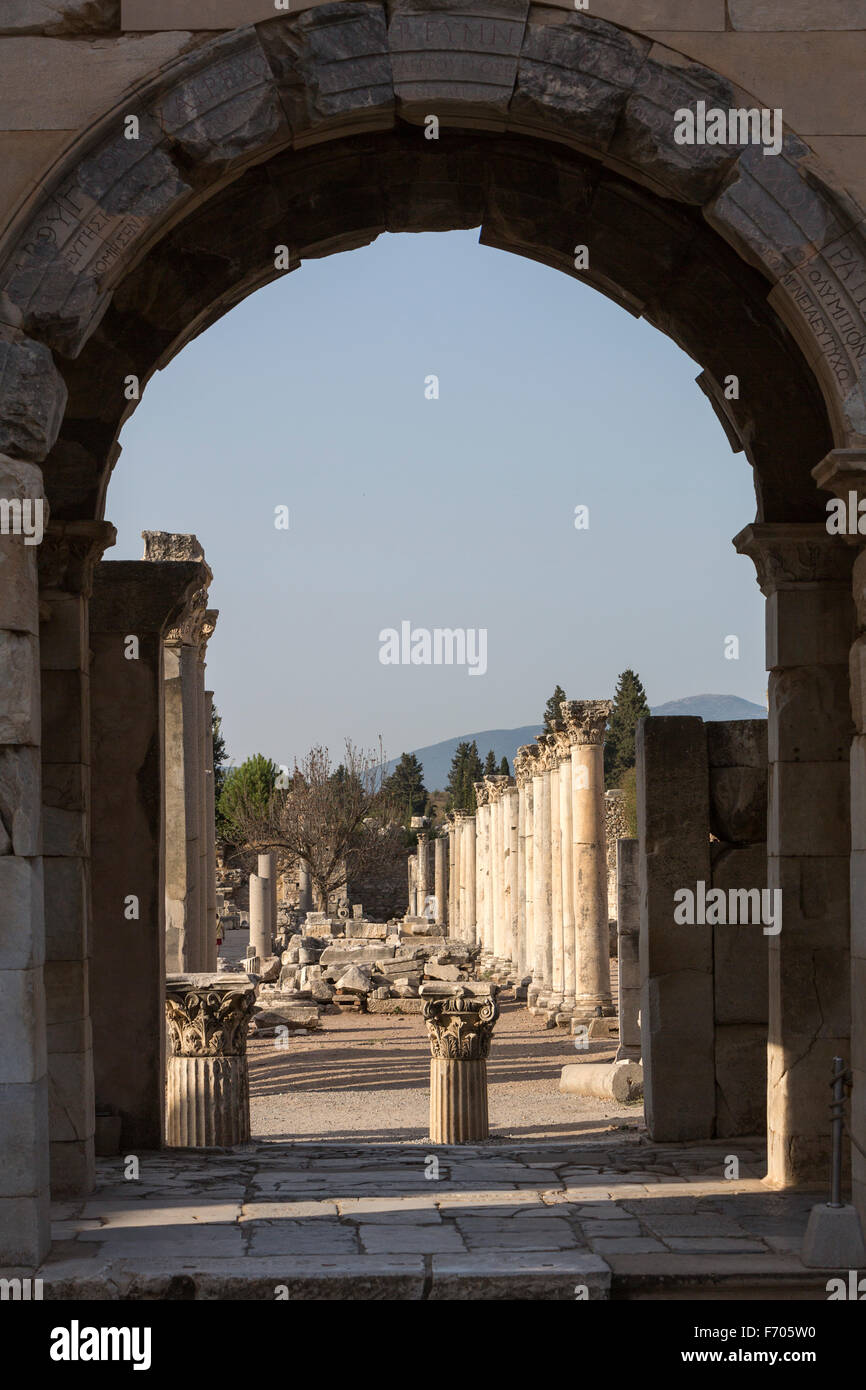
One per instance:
(713, 707)
(436, 758)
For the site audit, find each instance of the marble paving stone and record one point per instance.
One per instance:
(627, 1245)
(301, 1238)
(426, 1240)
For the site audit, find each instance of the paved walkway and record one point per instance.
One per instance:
(621, 1218)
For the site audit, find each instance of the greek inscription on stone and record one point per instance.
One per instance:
(497, 36)
(474, 69)
(226, 80)
(831, 347)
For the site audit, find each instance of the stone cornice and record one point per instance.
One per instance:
(786, 554)
(68, 553)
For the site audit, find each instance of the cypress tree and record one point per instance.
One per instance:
(629, 706)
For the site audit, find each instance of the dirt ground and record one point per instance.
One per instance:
(367, 1076)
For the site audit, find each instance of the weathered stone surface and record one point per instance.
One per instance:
(644, 139)
(20, 714)
(738, 803)
(741, 1079)
(740, 953)
(68, 257)
(737, 742)
(32, 398)
(575, 77)
(429, 44)
(356, 955)
(60, 17)
(356, 980)
(229, 110)
(329, 63)
(441, 972)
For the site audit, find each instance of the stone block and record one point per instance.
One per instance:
(776, 15)
(22, 1006)
(808, 627)
(809, 808)
(24, 1115)
(61, 17)
(66, 909)
(810, 714)
(32, 397)
(332, 63)
(666, 83)
(64, 266)
(738, 804)
(25, 1231)
(740, 953)
(575, 76)
(71, 1104)
(741, 1079)
(20, 717)
(356, 955)
(229, 110)
(73, 1167)
(737, 743)
(22, 937)
(67, 995)
(677, 1038)
(21, 483)
(20, 798)
(429, 44)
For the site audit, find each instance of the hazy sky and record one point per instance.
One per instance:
(457, 512)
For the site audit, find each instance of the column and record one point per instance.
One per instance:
(210, 838)
(512, 871)
(805, 575)
(412, 870)
(423, 839)
(24, 1223)
(305, 887)
(628, 948)
(544, 879)
(520, 925)
(482, 861)
(133, 604)
(557, 978)
(207, 924)
(184, 772)
(566, 836)
(470, 842)
(207, 1080)
(586, 721)
(453, 878)
(267, 866)
(260, 911)
(497, 923)
(460, 1026)
(440, 879)
(67, 557)
(538, 916)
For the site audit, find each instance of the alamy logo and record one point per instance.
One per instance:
(443, 646)
(20, 1290)
(77, 1343)
(742, 907)
(23, 518)
(739, 126)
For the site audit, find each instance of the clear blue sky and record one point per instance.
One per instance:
(456, 512)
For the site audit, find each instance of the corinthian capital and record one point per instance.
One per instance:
(460, 1026)
(586, 720)
(208, 1015)
(525, 761)
(482, 793)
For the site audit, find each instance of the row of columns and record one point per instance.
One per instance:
(531, 869)
(434, 880)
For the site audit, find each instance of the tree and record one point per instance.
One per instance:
(552, 711)
(335, 819)
(246, 790)
(629, 706)
(490, 764)
(405, 789)
(220, 759)
(504, 769)
(466, 769)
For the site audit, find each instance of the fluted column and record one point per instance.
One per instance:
(482, 863)
(538, 914)
(440, 878)
(544, 879)
(460, 1026)
(566, 831)
(412, 872)
(210, 837)
(454, 928)
(471, 907)
(497, 896)
(207, 1082)
(206, 847)
(585, 722)
(628, 947)
(557, 977)
(511, 812)
(423, 841)
(520, 922)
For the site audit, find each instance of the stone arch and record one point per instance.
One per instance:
(556, 129)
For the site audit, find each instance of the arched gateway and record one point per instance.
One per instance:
(308, 132)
